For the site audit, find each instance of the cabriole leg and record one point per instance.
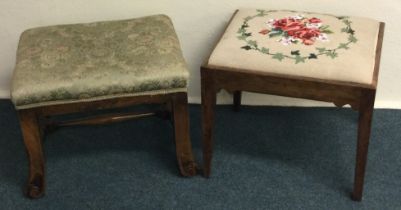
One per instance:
(33, 144)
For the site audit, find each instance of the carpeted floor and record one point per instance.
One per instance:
(265, 158)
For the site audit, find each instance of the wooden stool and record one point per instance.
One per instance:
(104, 65)
(297, 54)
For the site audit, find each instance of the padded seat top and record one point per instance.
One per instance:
(101, 60)
(304, 44)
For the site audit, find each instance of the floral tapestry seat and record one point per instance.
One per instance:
(101, 60)
(321, 57)
(302, 44)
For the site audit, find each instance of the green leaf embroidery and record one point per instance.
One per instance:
(327, 31)
(278, 56)
(264, 50)
(246, 47)
(252, 43)
(352, 39)
(332, 54)
(343, 46)
(248, 18)
(275, 33)
(241, 30)
(241, 37)
(321, 49)
(299, 59)
(261, 12)
(295, 52)
(324, 27)
(350, 31)
(312, 56)
(342, 17)
(347, 22)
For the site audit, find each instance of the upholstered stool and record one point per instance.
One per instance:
(297, 54)
(103, 65)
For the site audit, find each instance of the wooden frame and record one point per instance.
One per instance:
(34, 124)
(361, 98)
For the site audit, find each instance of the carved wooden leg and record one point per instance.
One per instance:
(365, 121)
(208, 104)
(182, 138)
(237, 100)
(31, 133)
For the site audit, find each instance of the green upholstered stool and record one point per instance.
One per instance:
(297, 54)
(102, 65)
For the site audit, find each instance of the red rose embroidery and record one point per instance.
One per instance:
(297, 29)
(314, 20)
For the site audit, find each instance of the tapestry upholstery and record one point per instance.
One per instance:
(101, 60)
(304, 44)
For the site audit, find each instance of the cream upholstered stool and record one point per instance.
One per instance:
(103, 65)
(297, 54)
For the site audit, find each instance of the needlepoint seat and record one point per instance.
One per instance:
(297, 54)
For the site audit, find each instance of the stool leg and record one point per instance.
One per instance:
(365, 121)
(182, 138)
(208, 104)
(237, 100)
(33, 144)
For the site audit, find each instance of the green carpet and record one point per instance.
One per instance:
(264, 158)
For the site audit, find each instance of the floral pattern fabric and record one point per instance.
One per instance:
(293, 30)
(298, 28)
(103, 59)
(299, 43)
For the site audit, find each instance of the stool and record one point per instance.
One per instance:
(103, 65)
(297, 54)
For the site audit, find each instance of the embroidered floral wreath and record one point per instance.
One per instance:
(294, 30)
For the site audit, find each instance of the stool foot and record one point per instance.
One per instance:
(187, 169)
(355, 197)
(36, 187)
(182, 138)
(33, 144)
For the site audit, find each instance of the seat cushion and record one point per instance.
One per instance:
(301, 44)
(84, 62)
